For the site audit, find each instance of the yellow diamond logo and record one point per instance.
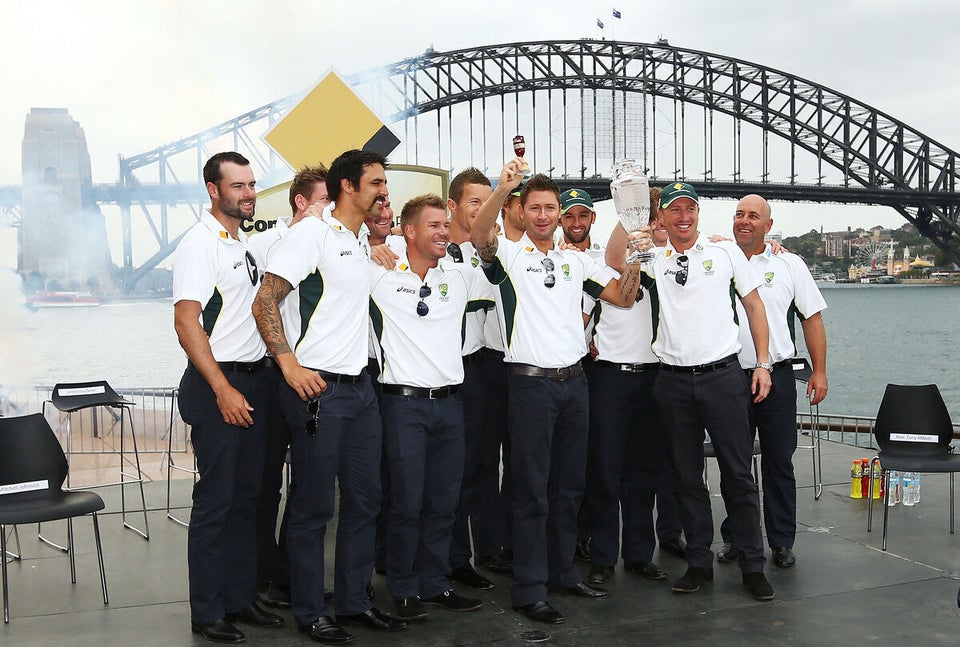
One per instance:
(329, 120)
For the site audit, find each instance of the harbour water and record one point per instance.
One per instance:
(876, 334)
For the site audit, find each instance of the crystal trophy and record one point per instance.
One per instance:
(520, 147)
(631, 199)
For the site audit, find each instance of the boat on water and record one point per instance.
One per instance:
(62, 300)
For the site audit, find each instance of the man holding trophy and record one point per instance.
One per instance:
(539, 300)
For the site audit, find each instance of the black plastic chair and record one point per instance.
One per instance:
(914, 431)
(801, 373)
(33, 468)
(72, 397)
(709, 452)
(171, 465)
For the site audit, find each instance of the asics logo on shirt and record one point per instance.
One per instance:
(534, 269)
(237, 264)
(346, 252)
(407, 290)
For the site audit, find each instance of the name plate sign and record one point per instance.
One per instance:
(914, 438)
(28, 486)
(85, 390)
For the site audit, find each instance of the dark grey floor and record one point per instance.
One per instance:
(843, 591)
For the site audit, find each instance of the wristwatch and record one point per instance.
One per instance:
(766, 365)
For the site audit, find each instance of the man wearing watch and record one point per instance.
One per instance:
(700, 384)
(788, 293)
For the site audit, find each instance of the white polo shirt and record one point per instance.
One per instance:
(697, 323)
(595, 250)
(414, 350)
(788, 291)
(482, 300)
(211, 268)
(623, 335)
(329, 264)
(543, 326)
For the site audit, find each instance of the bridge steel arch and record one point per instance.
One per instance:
(730, 126)
(881, 159)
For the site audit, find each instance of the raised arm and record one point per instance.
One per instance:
(815, 337)
(483, 234)
(757, 316)
(622, 292)
(186, 321)
(266, 311)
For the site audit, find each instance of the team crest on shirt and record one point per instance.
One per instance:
(768, 277)
(565, 268)
(443, 292)
(474, 261)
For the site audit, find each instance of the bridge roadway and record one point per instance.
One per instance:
(843, 590)
(599, 188)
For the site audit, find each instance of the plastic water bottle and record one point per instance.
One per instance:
(894, 496)
(916, 488)
(909, 489)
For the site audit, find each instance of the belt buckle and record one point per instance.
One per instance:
(699, 370)
(434, 394)
(631, 368)
(563, 374)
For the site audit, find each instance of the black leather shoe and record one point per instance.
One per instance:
(582, 551)
(784, 557)
(540, 612)
(495, 564)
(325, 630)
(274, 595)
(728, 554)
(453, 602)
(220, 631)
(759, 587)
(648, 570)
(676, 547)
(582, 590)
(255, 616)
(693, 579)
(374, 619)
(410, 608)
(468, 577)
(599, 574)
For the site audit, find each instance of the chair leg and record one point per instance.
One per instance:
(870, 496)
(52, 544)
(951, 503)
(817, 458)
(103, 576)
(145, 533)
(16, 538)
(886, 512)
(3, 552)
(73, 565)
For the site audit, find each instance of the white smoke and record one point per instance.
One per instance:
(16, 355)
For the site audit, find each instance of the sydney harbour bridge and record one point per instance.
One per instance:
(729, 126)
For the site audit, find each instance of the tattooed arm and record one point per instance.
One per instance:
(623, 291)
(266, 311)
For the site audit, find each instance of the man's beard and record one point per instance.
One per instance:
(233, 210)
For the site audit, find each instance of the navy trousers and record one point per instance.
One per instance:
(424, 445)
(775, 421)
(273, 562)
(473, 392)
(222, 538)
(629, 450)
(492, 525)
(345, 447)
(716, 401)
(548, 435)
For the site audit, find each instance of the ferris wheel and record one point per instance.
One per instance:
(873, 254)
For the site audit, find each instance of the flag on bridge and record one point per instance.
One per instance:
(599, 24)
(616, 14)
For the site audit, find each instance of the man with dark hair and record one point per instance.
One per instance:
(223, 396)
(539, 300)
(308, 195)
(418, 311)
(327, 399)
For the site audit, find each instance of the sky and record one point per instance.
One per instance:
(136, 75)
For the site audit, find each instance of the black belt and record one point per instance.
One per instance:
(701, 368)
(475, 356)
(420, 392)
(628, 368)
(559, 374)
(339, 378)
(240, 367)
